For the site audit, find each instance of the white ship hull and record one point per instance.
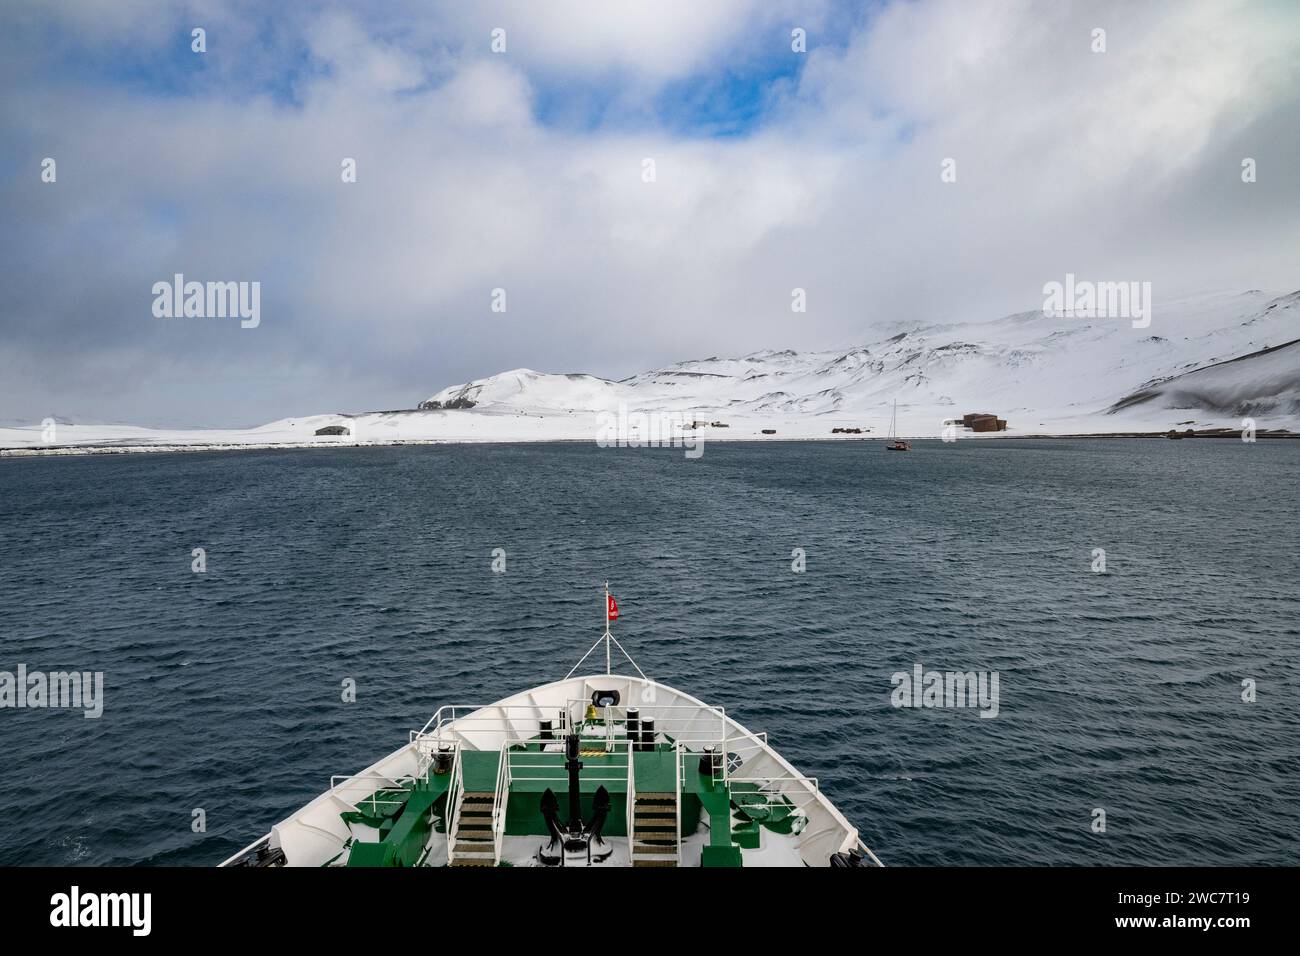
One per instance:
(512, 729)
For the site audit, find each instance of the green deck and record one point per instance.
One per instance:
(653, 771)
(404, 829)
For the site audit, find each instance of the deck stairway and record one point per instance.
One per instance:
(654, 822)
(474, 845)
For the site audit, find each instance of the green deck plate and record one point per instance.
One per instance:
(728, 856)
(655, 771)
(479, 770)
(369, 854)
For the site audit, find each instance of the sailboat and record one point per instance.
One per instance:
(601, 769)
(896, 443)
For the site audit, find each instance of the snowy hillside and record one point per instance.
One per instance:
(1202, 363)
(1052, 375)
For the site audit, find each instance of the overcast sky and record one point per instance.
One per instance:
(523, 170)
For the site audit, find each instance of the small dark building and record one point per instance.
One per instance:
(769, 431)
(983, 422)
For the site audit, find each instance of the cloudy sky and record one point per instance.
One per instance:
(523, 170)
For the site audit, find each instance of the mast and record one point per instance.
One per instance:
(610, 641)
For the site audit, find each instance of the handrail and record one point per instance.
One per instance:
(396, 783)
(499, 718)
(677, 788)
(631, 804)
(499, 799)
(455, 796)
(608, 772)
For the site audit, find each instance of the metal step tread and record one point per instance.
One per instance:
(639, 849)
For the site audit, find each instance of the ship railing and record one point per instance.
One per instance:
(446, 714)
(672, 720)
(451, 723)
(455, 797)
(615, 770)
(631, 806)
(521, 723)
(345, 783)
(677, 790)
(772, 790)
(499, 801)
(732, 754)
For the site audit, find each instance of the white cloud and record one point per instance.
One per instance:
(376, 293)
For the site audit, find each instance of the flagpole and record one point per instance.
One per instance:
(607, 634)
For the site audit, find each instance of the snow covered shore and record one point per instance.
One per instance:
(1204, 364)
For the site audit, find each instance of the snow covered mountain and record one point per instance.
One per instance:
(1210, 360)
(1201, 363)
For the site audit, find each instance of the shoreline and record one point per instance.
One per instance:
(87, 450)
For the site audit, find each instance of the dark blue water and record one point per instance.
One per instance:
(1119, 692)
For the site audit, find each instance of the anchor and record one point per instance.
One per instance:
(574, 843)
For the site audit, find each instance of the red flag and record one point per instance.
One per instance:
(611, 612)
